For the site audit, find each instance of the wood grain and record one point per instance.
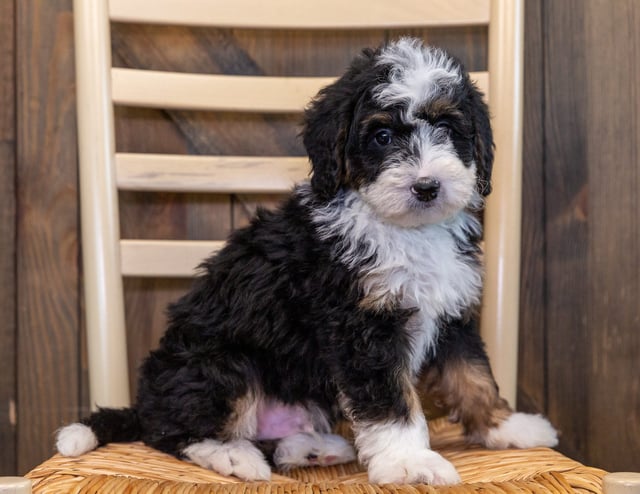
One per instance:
(146, 304)
(612, 145)
(531, 356)
(7, 240)
(47, 222)
(213, 92)
(282, 14)
(165, 258)
(213, 174)
(566, 222)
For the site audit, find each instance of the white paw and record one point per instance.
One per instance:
(522, 430)
(421, 467)
(240, 458)
(307, 449)
(75, 440)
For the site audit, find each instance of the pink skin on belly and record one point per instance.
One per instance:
(277, 420)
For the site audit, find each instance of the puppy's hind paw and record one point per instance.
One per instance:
(239, 458)
(421, 467)
(522, 430)
(310, 449)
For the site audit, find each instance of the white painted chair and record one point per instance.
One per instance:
(103, 171)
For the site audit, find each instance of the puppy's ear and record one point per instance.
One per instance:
(327, 122)
(327, 125)
(483, 141)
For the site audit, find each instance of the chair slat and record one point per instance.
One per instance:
(171, 90)
(502, 217)
(218, 174)
(296, 14)
(255, 94)
(164, 258)
(103, 297)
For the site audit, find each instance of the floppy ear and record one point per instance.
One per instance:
(327, 123)
(483, 141)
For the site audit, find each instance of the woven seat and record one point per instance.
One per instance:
(134, 467)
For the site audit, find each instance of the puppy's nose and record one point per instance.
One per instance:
(426, 189)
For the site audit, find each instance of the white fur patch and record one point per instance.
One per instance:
(418, 74)
(304, 449)
(421, 467)
(239, 457)
(522, 430)
(415, 267)
(75, 440)
(399, 453)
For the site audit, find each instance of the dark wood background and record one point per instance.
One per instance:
(581, 237)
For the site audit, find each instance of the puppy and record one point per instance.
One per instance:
(352, 300)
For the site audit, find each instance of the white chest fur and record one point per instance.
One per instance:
(413, 267)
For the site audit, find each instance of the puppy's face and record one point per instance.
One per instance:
(407, 130)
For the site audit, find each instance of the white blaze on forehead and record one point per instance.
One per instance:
(418, 73)
(441, 162)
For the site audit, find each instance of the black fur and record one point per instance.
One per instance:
(275, 309)
(114, 425)
(329, 123)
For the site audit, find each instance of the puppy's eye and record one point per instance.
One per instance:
(383, 137)
(442, 123)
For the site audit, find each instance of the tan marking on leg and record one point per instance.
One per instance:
(468, 391)
(243, 421)
(411, 396)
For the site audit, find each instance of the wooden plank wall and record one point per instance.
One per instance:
(581, 277)
(48, 311)
(7, 239)
(612, 48)
(581, 239)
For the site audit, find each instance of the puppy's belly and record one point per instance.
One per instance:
(277, 420)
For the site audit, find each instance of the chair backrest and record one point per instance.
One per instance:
(103, 172)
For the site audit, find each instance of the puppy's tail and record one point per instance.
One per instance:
(107, 425)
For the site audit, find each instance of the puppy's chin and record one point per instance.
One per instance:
(410, 215)
(392, 200)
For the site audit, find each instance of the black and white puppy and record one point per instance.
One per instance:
(354, 299)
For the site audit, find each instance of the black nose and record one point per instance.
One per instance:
(426, 189)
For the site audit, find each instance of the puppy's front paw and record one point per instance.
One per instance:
(421, 467)
(239, 458)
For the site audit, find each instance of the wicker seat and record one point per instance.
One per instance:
(136, 468)
(120, 468)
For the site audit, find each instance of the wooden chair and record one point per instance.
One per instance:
(107, 257)
(103, 171)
